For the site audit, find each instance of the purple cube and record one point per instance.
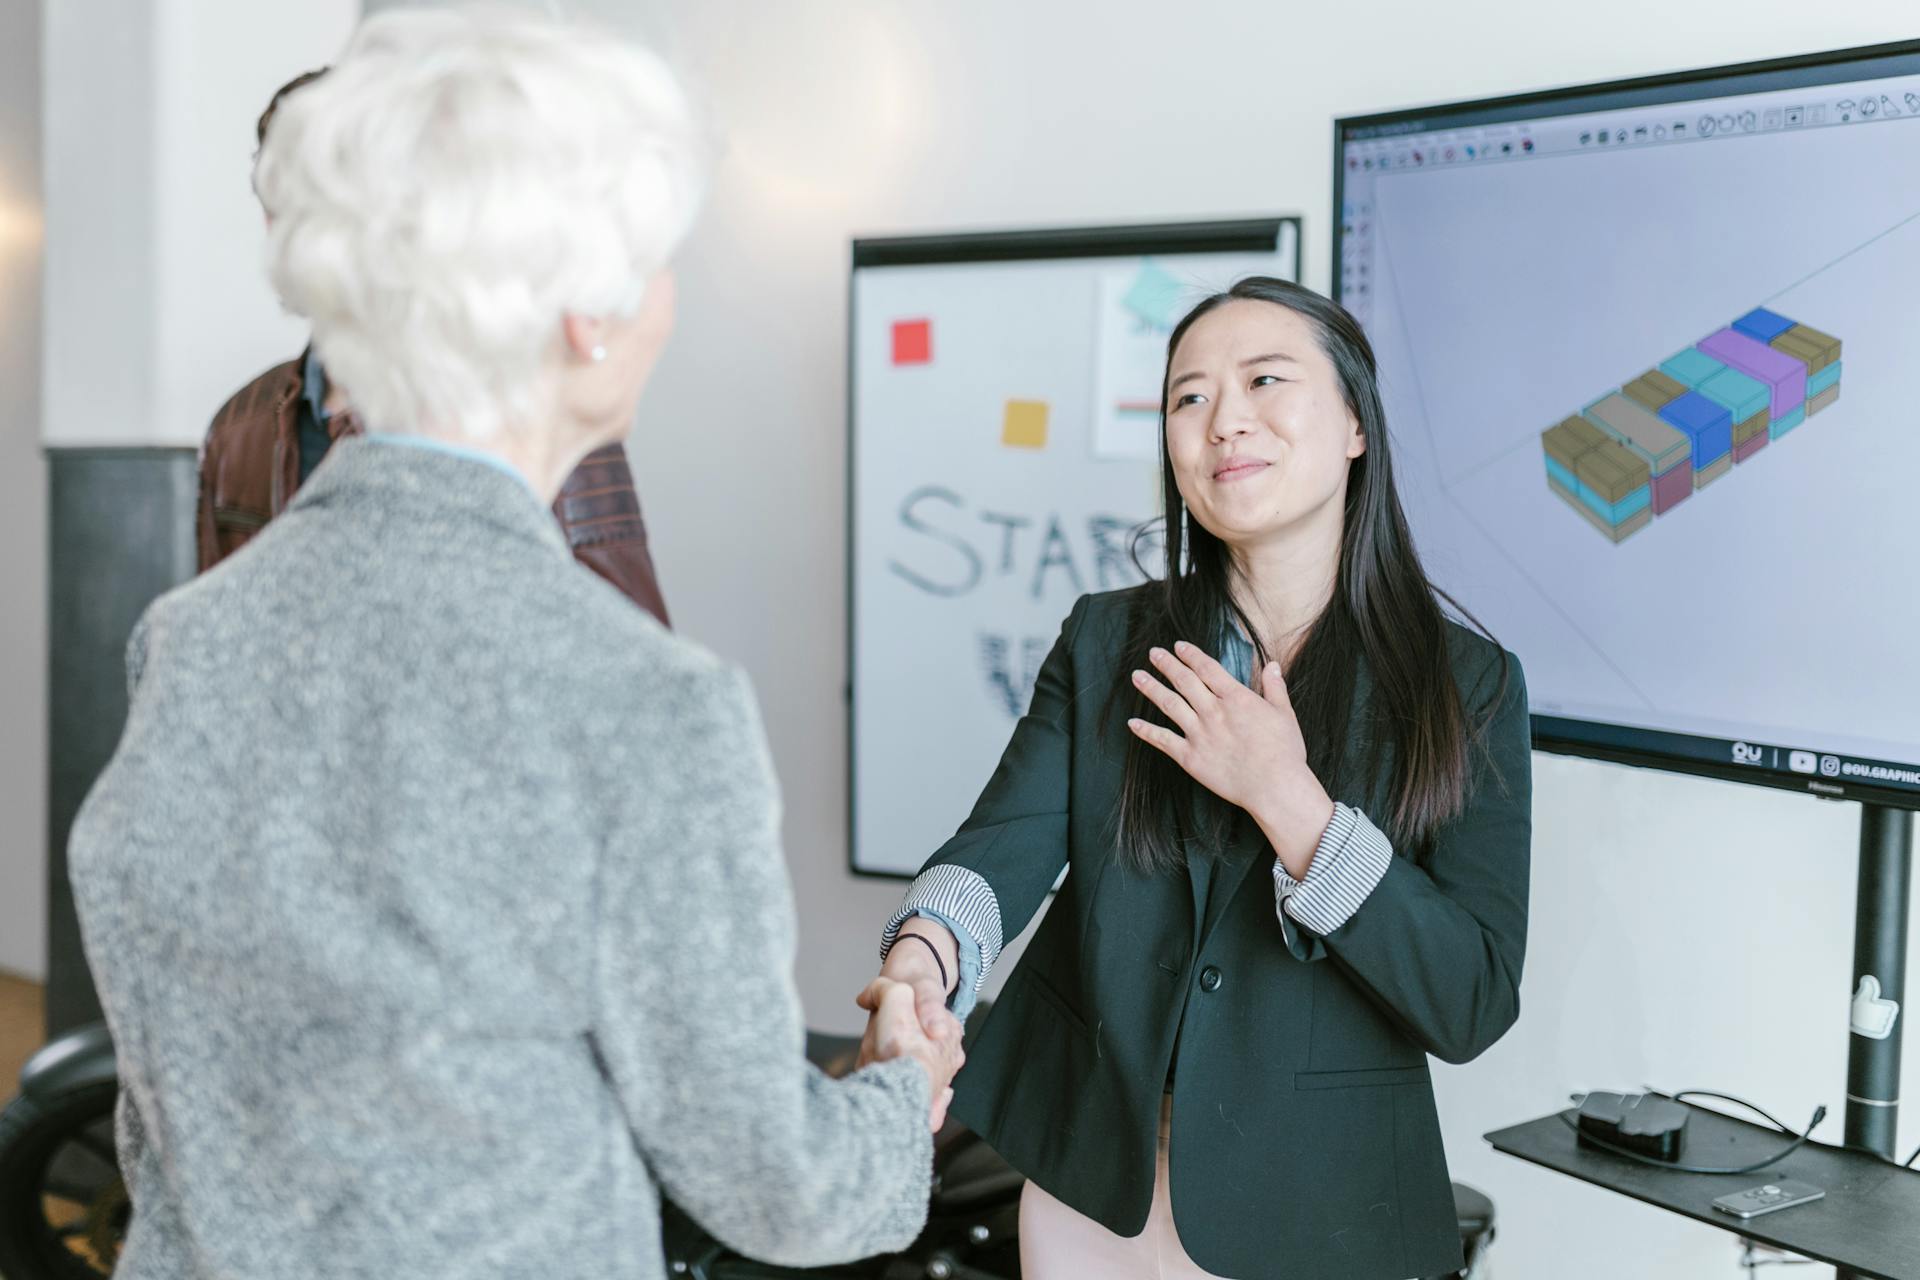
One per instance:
(1785, 377)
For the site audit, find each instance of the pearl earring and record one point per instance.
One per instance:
(598, 354)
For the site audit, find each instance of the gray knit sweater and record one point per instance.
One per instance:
(436, 901)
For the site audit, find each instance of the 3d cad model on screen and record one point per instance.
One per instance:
(1643, 448)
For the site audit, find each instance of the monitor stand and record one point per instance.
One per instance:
(1879, 953)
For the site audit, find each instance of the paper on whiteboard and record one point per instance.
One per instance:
(1139, 305)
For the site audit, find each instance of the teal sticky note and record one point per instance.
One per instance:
(1154, 295)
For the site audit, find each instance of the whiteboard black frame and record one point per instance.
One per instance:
(1053, 244)
(1698, 755)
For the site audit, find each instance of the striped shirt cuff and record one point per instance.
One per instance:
(966, 989)
(960, 899)
(1350, 860)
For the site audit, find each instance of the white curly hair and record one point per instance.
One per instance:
(460, 180)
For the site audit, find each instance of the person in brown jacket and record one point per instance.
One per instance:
(271, 434)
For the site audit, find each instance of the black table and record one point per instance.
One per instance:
(1869, 1222)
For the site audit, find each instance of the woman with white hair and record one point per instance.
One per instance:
(434, 892)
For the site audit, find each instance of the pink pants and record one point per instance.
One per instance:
(1057, 1243)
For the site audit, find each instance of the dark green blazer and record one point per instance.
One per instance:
(1305, 1142)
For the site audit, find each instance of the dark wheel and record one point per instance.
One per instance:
(63, 1207)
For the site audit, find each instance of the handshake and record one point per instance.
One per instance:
(907, 1017)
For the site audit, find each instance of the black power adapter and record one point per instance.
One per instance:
(1645, 1123)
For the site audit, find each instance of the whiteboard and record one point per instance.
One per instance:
(1003, 438)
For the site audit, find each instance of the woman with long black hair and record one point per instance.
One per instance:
(1292, 796)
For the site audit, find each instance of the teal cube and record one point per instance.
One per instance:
(1692, 366)
(1737, 393)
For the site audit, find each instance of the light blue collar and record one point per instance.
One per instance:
(313, 385)
(435, 445)
(1236, 655)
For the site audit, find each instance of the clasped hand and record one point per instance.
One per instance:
(909, 1019)
(1243, 746)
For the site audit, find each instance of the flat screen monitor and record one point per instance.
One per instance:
(1651, 358)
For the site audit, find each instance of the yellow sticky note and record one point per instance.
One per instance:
(1025, 426)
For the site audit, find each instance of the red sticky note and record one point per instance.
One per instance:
(913, 342)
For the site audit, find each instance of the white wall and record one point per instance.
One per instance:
(219, 323)
(23, 511)
(98, 90)
(154, 253)
(875, 117)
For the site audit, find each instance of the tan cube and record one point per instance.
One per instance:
(1655, 390)
(1612, 470)
(1808, 345)
(1573, 437)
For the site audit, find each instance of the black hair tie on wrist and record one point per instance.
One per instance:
(941, 964)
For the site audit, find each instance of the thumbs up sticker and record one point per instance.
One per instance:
(1873, 1016)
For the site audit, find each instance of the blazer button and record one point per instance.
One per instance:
(1210, 979)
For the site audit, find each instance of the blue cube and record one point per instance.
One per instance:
(1762, 325)
(1708, 424)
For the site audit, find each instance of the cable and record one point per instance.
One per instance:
(1751, 1262)
(1708, 1093)
(1819, 1114)
(1726, 1097)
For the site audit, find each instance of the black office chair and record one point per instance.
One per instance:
(1475, 1213)
(63, 1206)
